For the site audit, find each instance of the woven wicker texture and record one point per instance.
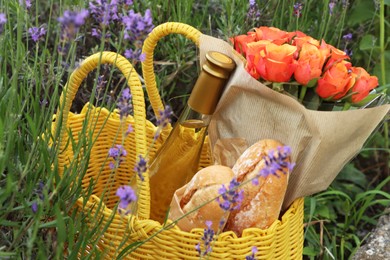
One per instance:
(283, 240)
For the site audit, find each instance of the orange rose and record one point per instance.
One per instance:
(240, 42)
(310, 62)
(336, 55)
(253, 56)
(364, 83)
(275, 63)
(273, 34)
(299, 41)
(335, 82)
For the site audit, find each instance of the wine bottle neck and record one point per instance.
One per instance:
(194, 118)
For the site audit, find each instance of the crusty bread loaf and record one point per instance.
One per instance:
(262, 203)
(202, 188)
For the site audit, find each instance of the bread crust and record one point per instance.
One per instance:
(203, 187)
(262, 203)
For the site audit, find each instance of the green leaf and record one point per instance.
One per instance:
(310, 251)
(367, 100)
(350, 174)
(367, 42)
(323, 211)
(312, 83)
(387, 2)
(361, 12)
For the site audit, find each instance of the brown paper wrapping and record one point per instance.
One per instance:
(226, 151)
(321, 142)
(183, 222)
(176, 212)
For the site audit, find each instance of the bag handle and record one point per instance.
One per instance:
(149, 45)
(138, 99)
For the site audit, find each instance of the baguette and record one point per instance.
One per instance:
(262, 203)
(202, 188)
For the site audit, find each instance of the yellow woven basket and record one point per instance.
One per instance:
(136, 234)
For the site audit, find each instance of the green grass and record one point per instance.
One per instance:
(32, 77)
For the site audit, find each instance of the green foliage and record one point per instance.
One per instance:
(32, 77)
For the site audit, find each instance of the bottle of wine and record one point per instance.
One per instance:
(177, 160)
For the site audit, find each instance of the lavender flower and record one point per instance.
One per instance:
(70, 25)
(298, 9)
(208, 237)
(349, 52)
(25, 3)
(276, 161)
(252, 256)
(331, 7)
(135, 55)
(231, 197)
(129, 130)
(117, 153)
(96, 32)
(253, 11)
(347, 37)
(104, 11)
(39, 191)
(73, 19)
(124, 104)
(100, 84)
(165, 117)
(36, 33)
(34, 207)
(126, 196)
(137, 26)
(3, 20)
(43, 102)
(140, 167)
(163, 120)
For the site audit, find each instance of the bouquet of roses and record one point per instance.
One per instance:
(282, 84)
(294, 62)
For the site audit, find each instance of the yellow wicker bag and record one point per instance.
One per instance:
(135, 236)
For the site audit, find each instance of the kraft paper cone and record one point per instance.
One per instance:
(322, 142)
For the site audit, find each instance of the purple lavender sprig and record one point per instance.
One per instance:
(332, 4)
(141, 167)
(25, 3)
(39, 191)
(137, 27)
(126, 196)
(208, 237)
(163, 120)
(347, 39)
(70, 24)
(124, 104)
(117, 153)
(253, 11)
(253, 255)
(231, 197)
(37, 33)
(104, 11)
(298, 9)
(276, 161)
(3, 20)
(135, 55)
